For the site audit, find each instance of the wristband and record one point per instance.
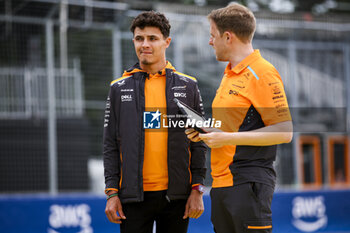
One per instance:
(110, 189)
(112, 195)
(199, 188)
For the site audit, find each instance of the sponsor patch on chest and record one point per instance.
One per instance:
(180, 94)
(126, 98)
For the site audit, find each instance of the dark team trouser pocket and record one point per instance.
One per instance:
(262, 194)
(242, 208)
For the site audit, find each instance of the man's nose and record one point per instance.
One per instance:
(145, 43)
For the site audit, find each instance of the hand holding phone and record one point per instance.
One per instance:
(190, 114)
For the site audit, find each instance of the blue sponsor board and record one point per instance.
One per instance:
(64, 213)
(321, 211)
(316, 211)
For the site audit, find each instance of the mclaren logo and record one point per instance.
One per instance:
(179, 87)
(309, 213)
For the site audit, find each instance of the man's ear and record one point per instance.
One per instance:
(167, 41)
(227, 36)
(230, 37)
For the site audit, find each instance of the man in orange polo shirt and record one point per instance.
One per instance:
(153, 173)
(252, 105)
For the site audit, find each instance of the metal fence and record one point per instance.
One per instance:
(66, 149)
(24, 93)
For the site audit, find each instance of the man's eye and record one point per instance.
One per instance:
(138, 38)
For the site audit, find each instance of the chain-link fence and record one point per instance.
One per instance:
(41, 153)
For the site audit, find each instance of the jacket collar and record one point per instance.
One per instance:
(137, 68)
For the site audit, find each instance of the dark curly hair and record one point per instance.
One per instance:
(151, 19)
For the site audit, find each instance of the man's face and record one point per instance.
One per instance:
(218, 43)
(150, 45)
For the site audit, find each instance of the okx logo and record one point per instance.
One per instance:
(151, 120)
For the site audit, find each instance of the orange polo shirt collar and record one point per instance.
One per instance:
(244, 63)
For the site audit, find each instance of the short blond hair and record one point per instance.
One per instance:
(235, 18)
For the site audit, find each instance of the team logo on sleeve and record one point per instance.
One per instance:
(276, 90)
(151, 120)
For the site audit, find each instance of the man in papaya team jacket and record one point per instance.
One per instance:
(151, 175)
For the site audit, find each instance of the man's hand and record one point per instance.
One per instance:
(192, 134)
(215, 139)
(194, 205)
(112, 207)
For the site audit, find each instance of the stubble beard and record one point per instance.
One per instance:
(145, 62)
(220, 56)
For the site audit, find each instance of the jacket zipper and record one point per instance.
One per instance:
(142, 146)
(167, 80)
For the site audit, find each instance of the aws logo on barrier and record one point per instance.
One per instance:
(309, 213)
(65, 217)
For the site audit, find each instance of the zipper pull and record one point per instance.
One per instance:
(167, 198)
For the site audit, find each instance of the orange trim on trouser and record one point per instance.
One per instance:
(259, 227)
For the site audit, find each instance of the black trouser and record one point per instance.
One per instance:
(155, 207)
(242, 208)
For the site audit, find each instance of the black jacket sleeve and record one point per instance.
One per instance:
(198, 149)
(111, 153)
